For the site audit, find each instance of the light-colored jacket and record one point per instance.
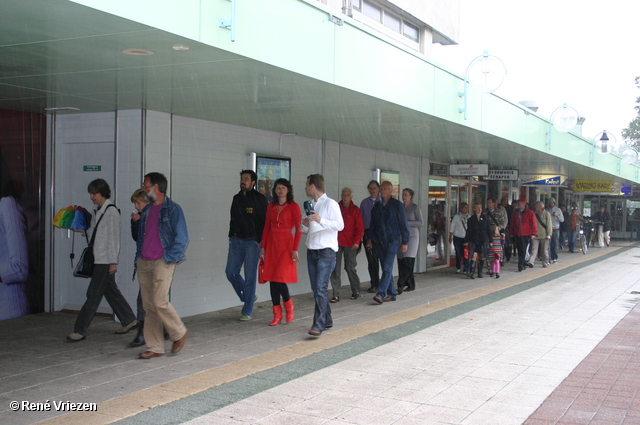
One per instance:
(459, 225)
(545, 218)
(555, 221)
(106, 247)
(498, 216)
(415, 221)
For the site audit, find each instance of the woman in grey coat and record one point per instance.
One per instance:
(406, 260)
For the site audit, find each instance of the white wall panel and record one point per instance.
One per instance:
(202, 161)
(81, 139)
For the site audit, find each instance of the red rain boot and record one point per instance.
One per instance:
(277, 315)
(288, 307)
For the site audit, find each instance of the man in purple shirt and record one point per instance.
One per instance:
(372, 257)
(162, 240)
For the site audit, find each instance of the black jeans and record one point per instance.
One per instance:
(458, 243)
(103, 284)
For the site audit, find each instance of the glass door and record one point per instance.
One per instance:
(437, 219)
(616, 208)
(459, 193)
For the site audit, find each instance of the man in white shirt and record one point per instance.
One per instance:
(322, 246)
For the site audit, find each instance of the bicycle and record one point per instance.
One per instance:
(587, 236)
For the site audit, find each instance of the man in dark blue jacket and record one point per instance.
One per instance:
(388, 228)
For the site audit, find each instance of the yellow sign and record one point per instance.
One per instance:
(593, 186)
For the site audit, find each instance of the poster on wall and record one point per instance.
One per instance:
(269, 169)
(394, 178)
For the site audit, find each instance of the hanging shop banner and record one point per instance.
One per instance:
(593, 186)
(542, 180)
(467, 170)
(502, 175)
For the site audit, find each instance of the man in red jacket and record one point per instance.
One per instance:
(522, 226)
(348, 245)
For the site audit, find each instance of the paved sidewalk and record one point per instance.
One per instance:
(603, 389)
(484, 351)
(491, 365)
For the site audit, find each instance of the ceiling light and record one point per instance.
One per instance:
(61, 108)
(137, 52)
(180, 48)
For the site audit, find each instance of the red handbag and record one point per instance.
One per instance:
(261, 271)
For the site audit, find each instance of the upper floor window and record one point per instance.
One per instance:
(411, 31)
(372, 11)
(388, 19)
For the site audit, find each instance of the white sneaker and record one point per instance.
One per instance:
(458, 271)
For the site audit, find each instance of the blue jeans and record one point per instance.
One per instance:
(321, 263)
(555, 239)
(387, 253)
(573, 234)
(247, 253)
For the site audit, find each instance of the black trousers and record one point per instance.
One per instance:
(507, 246)
(522, 244)
(373, 264)
(405, 273)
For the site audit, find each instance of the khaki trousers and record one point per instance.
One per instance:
(533, 251)
(155, 281)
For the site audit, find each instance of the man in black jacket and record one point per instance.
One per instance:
(248, 213)
(603, 220)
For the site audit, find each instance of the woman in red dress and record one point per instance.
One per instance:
(279, 253)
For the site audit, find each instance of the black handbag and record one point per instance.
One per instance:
(85, 265)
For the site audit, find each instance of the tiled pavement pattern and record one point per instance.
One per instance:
(603, 389)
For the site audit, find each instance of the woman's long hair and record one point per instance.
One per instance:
(285, 183)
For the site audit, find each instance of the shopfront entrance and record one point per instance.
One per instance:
(445, 197)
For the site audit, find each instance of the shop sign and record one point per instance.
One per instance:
(467, 170)
(440, 170)
(92, 168)
(541, 180)
(593, 186)
(502, 175)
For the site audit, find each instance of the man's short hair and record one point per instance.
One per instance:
(539, 203)
(386, 183)
(317, 180)
(252, 174)
(491, 199)
(346, 189)
(463, 204)
(159, 179)
(374, 182)
(100, 186)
